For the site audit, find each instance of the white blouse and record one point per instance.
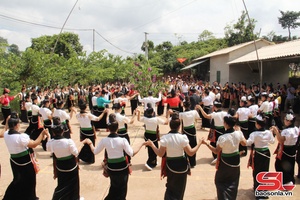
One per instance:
(243, 113)
(45, 112)
(229, 142)
(152, 123)
(291, 135)
(189, 117)
(218, 117)
(63, 115)
(16, 143)
(122, 120)
(114, 147)
(261, 139)
(175, 144)
(62, 147)
(85, 119)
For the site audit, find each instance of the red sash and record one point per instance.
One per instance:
(218, 160)
(163, 167)
(279, 150)
(212, 135)
(129, 165)
(251, 159)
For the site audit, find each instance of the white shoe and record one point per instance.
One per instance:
(148, 167)
(81, 198)
(214, 162)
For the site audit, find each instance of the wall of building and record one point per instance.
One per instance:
(219, 63)
(273, 72)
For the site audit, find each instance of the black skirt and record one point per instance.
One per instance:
(67, 179)
(102, 122)
(177, 170)
(286, 164)
(261, 164)
(191, 135)
(227, 177)
(205, 122)
(85, 153)
(24, 181)
(152, 157)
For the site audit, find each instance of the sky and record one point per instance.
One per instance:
(120, 25)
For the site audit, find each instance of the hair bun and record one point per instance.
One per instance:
(175, 116)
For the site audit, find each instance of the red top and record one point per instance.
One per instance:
(173, 102)
(5, 100)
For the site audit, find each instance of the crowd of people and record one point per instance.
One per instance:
(235, 115)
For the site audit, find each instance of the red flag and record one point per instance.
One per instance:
(181, 60)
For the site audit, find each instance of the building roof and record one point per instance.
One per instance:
(228, 49)
(283, 50)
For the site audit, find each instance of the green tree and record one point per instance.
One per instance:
(206, 35)
(68, 45)
(240, 32)
(288, 20)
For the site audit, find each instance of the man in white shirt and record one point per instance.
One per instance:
(150, 99)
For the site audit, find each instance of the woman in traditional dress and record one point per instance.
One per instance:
(117, 166)
(228, 165)
(46, 115)
(123, 122)
(24, 182)
(206, 104)
(35, 128)
(102, 103)
(173, 101)
(5, 101)
(260, 158)
(175, 145)
(65, 163)
(286, 151)
(22, 96)
(217, 129)
(64, 117)
(188, 118)
(243, 114)
(86, 131)
(151, 133)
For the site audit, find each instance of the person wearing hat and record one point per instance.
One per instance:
(286, 150)
(259, 158)
(217, 128)
(243, 114)
(5, 100)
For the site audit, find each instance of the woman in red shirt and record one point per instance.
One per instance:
(5, 101)
(173, 101)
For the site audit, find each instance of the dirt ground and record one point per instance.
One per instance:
(143, 184)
